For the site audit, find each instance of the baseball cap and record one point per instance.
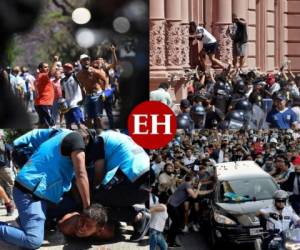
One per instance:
(281, 97)
(274, 140)
(83, 56)
(68, 65)
(296, 161)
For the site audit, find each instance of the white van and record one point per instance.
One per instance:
(242, 188)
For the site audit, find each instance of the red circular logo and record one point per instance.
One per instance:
(152, 124)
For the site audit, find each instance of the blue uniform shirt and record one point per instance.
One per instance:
(282, 119)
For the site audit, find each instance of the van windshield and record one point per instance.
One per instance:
(247, 190)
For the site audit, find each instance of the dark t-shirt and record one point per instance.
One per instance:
(180, 195)
(71, 143)
(221, 102)
(241, 35)
(211, 116)
(94, 151)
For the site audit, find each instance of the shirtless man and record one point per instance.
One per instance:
(107, 101)
(93, 83)
(91, 223)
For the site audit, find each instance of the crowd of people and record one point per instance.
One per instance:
(83, 182)
(252, 100)
(71, 93)
(183, 173)
(237, 97)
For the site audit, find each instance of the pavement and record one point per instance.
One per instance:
(54, 240)
(199, 241)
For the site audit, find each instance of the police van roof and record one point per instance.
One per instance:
(239, 170)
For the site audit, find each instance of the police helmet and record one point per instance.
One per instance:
(243, 105)
(240, 87)
(183, 121)
(280, 195)
(198, 115)
(238, 115)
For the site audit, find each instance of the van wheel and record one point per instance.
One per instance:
(214, 242)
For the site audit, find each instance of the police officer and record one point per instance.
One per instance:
(213, 114)
(221, 97)
(183, 119)
(279, 215)
(198, 115)
(239, 93)
(235, 119)
(257, 94)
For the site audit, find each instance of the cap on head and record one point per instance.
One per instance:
(296, 161)
(274, 140)
(68, 66)
(281, 97)
(84, 56)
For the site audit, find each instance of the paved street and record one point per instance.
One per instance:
(199, 241)
(55, 240)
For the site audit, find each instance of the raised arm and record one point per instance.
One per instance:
(53, 67)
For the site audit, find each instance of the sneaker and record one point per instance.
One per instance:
(185, 230)
(174, 245)
(141, 228)
(195, 228)
(10, 208)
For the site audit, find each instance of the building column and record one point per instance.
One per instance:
(157, 45)
(222, 19)
(240, 8)
(173, 35)
(195, 14)
(185, 34)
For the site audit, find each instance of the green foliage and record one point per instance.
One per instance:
(11, 134)
(12, 52)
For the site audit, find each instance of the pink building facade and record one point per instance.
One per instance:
(273, 32)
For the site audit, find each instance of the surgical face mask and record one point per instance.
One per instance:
(273, 153)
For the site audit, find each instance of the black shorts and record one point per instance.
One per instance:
(45, 115)
(210, 48)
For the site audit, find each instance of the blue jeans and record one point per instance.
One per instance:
(32, 215)
(93, 106)
(107, 105)
(157, 239)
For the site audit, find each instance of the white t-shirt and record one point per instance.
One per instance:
(162, 96)
(158, 219)
(187, 161)
(288, 215)
(207, 37)
(73, 92)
